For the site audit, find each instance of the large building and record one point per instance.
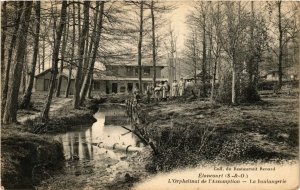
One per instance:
(117, 78)
(120, 78)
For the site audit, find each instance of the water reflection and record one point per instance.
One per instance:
(80, 144)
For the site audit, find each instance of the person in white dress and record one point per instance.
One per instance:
(181, 87)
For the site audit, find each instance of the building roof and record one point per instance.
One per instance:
(136, 65)
(65, 73)
(98, 75)
(103, 76)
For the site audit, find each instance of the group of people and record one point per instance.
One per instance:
(163, 90)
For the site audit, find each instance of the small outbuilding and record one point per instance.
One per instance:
(42, 80)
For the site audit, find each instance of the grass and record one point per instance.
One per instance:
(192, 132)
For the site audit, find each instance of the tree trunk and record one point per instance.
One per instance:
(250, 91)
(153, 44)
(44, 54)
(39, 61)
(173, 59)
(212, 92)
(96, 36)
(87, 53)
(89, 95)
(233, 85)
(217, 54)
(69, 81)
(140, 46)
(280, 56)
(204, 56)
(3, 36)
(63, 51)
(72, 53)
(85, 27)
(10, 57)
(27, 95)
(195, 55)
(11, 107)
(59, 31)
(24, 72)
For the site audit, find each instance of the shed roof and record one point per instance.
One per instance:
(65, 73)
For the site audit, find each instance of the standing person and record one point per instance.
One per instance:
(136, 93)
(168, 89)
(157, 90)
(175, 88)
(181, 87)
(164, 90)
(148, 92)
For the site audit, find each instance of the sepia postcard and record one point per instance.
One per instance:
(143, 95)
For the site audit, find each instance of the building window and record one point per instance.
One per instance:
(129, 87)
(122, 89)
(146, 71)
(136, 71)
(96, 85)
(129, 71)
(114, 87)
(114, 70)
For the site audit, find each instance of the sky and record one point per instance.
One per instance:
(177, 18)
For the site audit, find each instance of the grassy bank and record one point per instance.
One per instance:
(26, 158)
(28, 153)
(189, 132)
(62, 120)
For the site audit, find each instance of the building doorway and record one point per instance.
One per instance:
(114, 88)
(46, 84)
(129, 87)
(107, 87)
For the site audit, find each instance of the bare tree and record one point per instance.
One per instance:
(280, 39)
(96, 37)
(72, 52)
(153, 43)
(83, 36)
(18, 6)
(232, 41)
(27, 95)
(3, 36)
(140, 45)
(63, 52)
(216, 22)
(56, 47)
(10, 113)
(283, 29)
(204, 59)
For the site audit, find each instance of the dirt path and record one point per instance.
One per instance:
(56, 105)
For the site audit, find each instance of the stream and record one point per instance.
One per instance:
(100, 156)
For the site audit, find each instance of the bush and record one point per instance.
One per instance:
(249, 94)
